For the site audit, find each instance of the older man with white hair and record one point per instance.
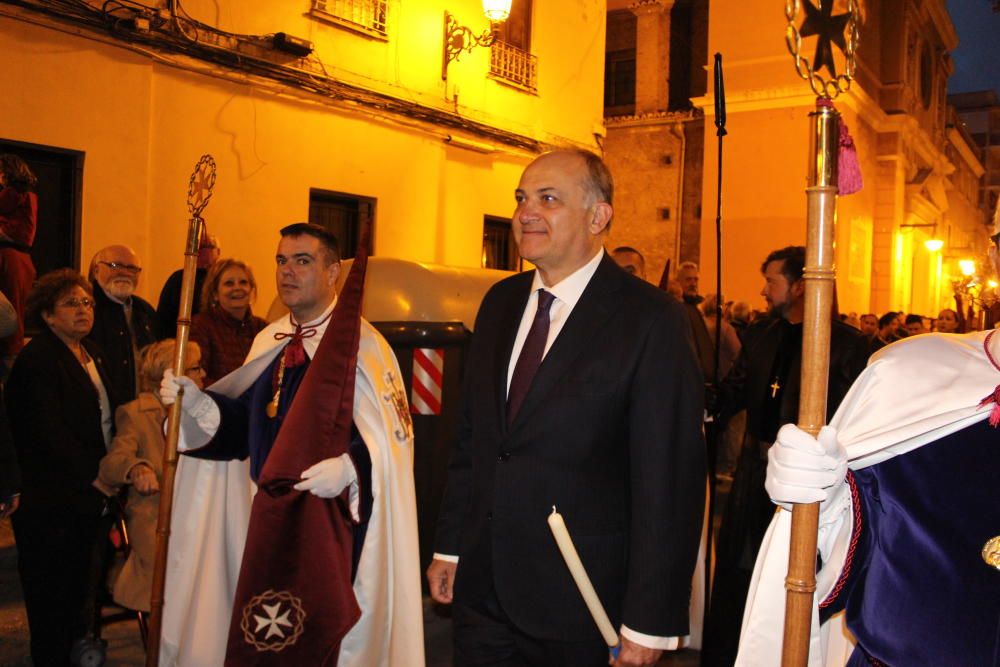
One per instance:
(123, 322)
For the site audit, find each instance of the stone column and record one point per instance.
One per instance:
(652, 54)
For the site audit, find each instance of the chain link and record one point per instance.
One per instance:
(200, 185)
(841, 83)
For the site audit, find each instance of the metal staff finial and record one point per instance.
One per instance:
(200, 185)
(829, 28)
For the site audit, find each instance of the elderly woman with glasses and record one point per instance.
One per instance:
(60, 405)
(135, 459)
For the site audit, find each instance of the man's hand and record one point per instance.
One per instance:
(441, 577)
(144, 480)
(804, 469)
(9, 506)
(635, 655)
(329, 477)
(196, 402)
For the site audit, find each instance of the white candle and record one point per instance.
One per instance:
(575, 566)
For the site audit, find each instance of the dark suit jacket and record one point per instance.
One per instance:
(610, 433)
(111, 333)
(55, 417)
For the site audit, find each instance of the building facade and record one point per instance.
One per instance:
(369, 122)
(919, 170)
(653, 67)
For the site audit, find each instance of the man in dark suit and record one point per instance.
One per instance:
(608, 430)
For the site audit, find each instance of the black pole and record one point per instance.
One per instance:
(714, 429)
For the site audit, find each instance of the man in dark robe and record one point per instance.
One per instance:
(765, 381)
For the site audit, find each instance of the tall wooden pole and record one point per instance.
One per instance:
(821, 210)
(170, 447)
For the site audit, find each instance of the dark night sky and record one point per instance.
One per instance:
(977, 58)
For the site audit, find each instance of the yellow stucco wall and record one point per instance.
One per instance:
(143, 124)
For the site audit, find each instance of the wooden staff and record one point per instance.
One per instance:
(800, 584)
(170, 447)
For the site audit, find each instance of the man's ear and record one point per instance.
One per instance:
(332, 273)
(799, 287)
(600, 217)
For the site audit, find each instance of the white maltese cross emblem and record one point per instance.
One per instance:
(273, 620)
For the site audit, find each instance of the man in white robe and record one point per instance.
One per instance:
(212, 498)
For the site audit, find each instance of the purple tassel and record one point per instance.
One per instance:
(848, 168)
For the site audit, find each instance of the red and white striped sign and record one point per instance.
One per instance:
(428, 375)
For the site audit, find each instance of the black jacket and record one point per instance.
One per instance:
(55, 418)
(610, 433)
(771, 347)
(111, 333)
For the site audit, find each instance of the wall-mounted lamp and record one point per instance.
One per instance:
(933, 244)
(458, 38)
(967, 266)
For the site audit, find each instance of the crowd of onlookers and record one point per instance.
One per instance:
(81, 435)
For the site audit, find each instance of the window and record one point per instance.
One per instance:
(926, 75)
(511, 61)
(60, 194)
(369, 17)
(619, 64)
(499, 249)
(342, 214)
(619, 80)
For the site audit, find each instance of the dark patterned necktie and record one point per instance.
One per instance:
(531, 355)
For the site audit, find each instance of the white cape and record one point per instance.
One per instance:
(913, 392)
(212, 512)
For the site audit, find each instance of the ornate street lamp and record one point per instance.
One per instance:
(458, 38)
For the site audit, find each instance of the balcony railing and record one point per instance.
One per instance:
(368, 17)
(514, 66)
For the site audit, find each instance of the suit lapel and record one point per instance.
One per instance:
(596, 305)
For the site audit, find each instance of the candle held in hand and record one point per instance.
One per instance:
(572, 558)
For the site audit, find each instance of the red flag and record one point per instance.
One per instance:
(294, 601)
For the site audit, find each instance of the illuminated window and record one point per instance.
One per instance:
(499, 249)
(341, 214)
(368, 17)
(511, 60)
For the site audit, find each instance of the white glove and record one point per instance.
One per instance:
(196, 403)
(329, 477)
(804, 469)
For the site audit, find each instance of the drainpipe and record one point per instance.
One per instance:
(677, 129)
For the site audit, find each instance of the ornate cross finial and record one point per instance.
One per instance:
(829, 29)
(200, 186)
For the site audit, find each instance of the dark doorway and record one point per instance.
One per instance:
(60, 195)
(342, 214)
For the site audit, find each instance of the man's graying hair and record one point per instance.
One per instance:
(600, 186)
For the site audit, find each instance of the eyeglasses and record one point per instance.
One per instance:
(76, 303)
(118, 266)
